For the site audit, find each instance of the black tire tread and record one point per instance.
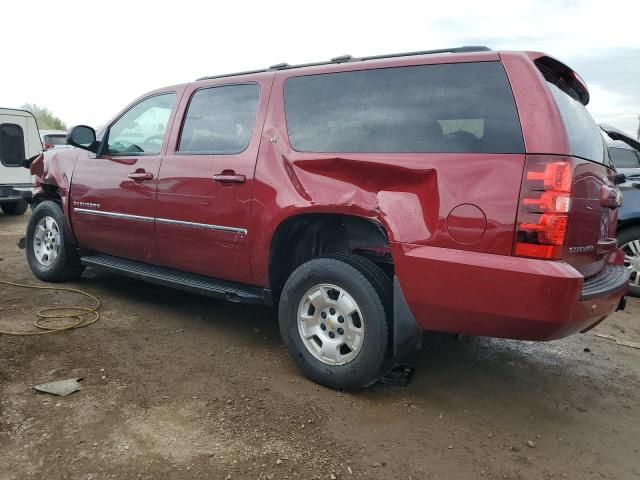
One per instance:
(380, 281)
(68, 267)
(363, 276)
(15, 208)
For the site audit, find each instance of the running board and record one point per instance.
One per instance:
(190, 282)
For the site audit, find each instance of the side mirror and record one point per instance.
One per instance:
(620, 178)
(84, 137)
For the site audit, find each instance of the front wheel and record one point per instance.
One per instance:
(50, 255)
(334, 323)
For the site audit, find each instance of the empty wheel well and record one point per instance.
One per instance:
(303, 237)
(49, 192)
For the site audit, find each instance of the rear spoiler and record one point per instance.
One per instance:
(562, 76)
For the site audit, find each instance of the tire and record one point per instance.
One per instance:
(629, 240)
(15, 208)
(50, 255)
(355, 364)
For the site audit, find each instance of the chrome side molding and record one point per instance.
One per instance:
(165, 221)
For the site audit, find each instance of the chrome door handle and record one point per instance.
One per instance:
(140, 176)
(229, 177)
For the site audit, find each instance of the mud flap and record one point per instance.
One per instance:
(407, 339)
(407, 336)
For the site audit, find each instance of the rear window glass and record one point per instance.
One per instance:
(55, 139)
(219, 120)
(11, 145)
(464, 107)
(585, 139)
(624, 158)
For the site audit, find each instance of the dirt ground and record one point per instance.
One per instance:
(178, 386)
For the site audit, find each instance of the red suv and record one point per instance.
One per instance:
(368, 199)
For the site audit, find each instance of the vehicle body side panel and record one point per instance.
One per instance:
(411, 195)
(542, 126)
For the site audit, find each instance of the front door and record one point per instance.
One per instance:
(206, 178)
(113, 195)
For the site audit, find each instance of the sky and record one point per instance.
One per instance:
(85, 61)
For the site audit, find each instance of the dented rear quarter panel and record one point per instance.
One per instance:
(410, 195)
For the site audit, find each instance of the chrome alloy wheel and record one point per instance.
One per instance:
(330, 324)
(46, 241)
(632, 261)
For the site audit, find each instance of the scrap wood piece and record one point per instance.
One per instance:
(622, 343)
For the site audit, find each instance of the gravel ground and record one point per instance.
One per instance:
(178, 386)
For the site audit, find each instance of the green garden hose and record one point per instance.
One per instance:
(84, 315)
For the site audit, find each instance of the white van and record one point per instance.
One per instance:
(19, 141)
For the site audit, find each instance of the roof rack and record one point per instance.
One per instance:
(349, 58)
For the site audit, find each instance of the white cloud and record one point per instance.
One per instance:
(87, 60)
(614, 109)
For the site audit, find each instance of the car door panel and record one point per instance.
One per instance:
(204, 199)
(113, 195)
(112, 213)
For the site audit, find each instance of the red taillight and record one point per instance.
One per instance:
(48, 146)
(556, 176)
(543, 212)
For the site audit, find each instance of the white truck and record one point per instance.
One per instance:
(19, 141)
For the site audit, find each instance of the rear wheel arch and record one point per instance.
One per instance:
(303, 237)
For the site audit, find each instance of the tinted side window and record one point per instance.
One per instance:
(624, 158)
(141, 129)
(11, 145)
(585, 138)
(465, 107)
(219, 120)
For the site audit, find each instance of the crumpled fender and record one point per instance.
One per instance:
(55, 168)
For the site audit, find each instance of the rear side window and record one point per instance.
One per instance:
(464, 107)
(11, 145)
(624, 158)
(219, 120)
(585, 138)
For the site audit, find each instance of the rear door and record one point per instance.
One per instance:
(205, 184)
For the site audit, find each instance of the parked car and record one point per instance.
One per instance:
(54, 139)
(625, 153)
(19, 141)
(368, 199)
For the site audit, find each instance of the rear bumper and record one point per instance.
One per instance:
(9, 193)
(500, 296)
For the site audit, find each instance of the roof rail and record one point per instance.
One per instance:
(349, 58)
